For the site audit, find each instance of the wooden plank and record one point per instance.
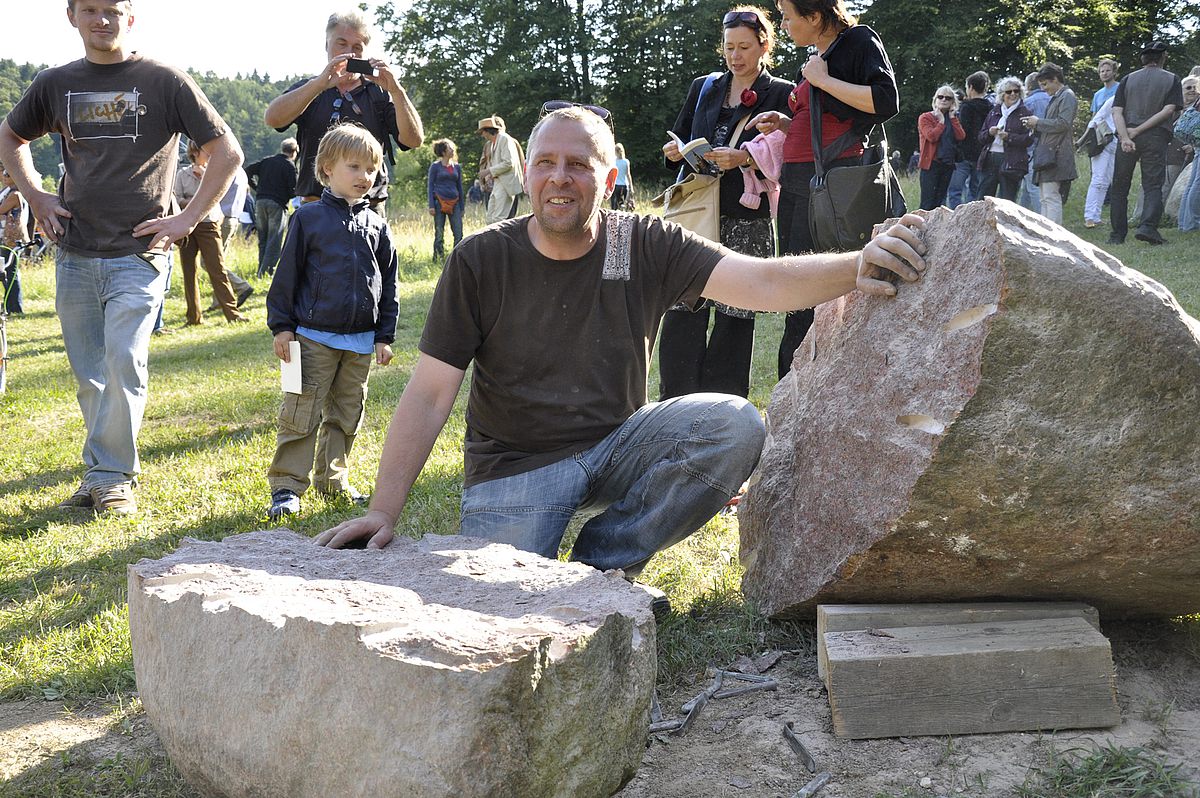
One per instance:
(1053, 673)
(847, 617)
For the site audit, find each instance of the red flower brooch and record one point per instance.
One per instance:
(749, 97)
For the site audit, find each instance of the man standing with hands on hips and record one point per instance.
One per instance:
(120, 117)
(350, 89)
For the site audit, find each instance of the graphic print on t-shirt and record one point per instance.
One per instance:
(104, 114)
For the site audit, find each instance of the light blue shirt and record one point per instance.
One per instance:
(1100, 97)
(622, 165)
(362, 343)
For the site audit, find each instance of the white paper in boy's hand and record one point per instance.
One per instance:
(289, 372)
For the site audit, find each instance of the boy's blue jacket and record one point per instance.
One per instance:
(337, 272)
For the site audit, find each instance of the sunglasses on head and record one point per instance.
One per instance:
(551, 106)
(738, 17)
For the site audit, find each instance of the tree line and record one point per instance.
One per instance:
(463, 60)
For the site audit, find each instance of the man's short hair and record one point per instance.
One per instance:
(1051, 72)
(605, 145)
(978, 81)
(1031, 84)
(1112, 63)
(352, 18)
(289, 146)
(344, 142)
(71, 3)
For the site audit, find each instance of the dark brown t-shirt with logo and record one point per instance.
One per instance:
(120, 126)
(561, 347)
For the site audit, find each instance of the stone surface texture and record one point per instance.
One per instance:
(447, 666)
(1020, 424)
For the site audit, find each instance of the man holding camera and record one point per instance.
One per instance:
(350, 89)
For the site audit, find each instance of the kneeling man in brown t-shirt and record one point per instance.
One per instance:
(559, 311)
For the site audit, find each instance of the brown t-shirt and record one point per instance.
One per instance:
(120, 126)
(561, 347)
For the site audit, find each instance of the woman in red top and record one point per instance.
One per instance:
(940, 134)
(858, 90)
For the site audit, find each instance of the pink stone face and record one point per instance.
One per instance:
(1018, 425)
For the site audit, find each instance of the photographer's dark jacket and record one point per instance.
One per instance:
(337, 272)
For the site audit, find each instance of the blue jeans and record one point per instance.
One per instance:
(1031, 195)
(1189, 209)
(964, 184)
(106, 307)
(268, 218)
(654, 480)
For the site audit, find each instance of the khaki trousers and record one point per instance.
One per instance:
(323, 420)
(205, 240)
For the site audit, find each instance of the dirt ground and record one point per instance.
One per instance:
(736, 746)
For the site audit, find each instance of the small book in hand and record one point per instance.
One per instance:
(693, 153)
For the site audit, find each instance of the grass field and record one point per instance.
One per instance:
(208, 436)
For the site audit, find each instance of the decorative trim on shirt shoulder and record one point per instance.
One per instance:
(618, 254)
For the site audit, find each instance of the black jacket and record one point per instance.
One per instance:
(772, 96)
(273, 178)
(337, 272)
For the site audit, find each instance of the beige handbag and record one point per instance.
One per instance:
(694, 203)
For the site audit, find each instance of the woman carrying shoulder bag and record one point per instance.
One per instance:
(445, 187)
(719, 108)
(858, 91)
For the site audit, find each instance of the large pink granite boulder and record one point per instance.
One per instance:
(1021, 424)
(448, 667)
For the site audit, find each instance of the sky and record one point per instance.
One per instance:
(224, 36)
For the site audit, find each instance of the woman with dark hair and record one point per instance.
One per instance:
(445, 195)
(719, 108)
(1004, 159)
(857, 88)
(940, 132)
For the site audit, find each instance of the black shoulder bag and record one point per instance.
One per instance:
(846, 202)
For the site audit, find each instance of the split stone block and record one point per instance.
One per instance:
(1021, 424)
(450, 666)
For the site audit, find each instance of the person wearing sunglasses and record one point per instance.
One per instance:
(1004, 158)
(940, 132)
(337, 96)
(558, 312)
(719, 107)
(849, 70)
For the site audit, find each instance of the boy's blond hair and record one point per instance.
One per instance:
(344, 142)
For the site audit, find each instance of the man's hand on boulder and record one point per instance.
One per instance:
(375, 527)
(896, 251)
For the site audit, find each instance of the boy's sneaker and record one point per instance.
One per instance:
(80, 499)
(283, 502)
(115, 499)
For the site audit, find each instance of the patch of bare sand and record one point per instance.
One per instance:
(35, 732)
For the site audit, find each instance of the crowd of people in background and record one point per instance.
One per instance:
(1018, 143)
(332, 265)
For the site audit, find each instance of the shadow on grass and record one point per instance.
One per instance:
(37, 518)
